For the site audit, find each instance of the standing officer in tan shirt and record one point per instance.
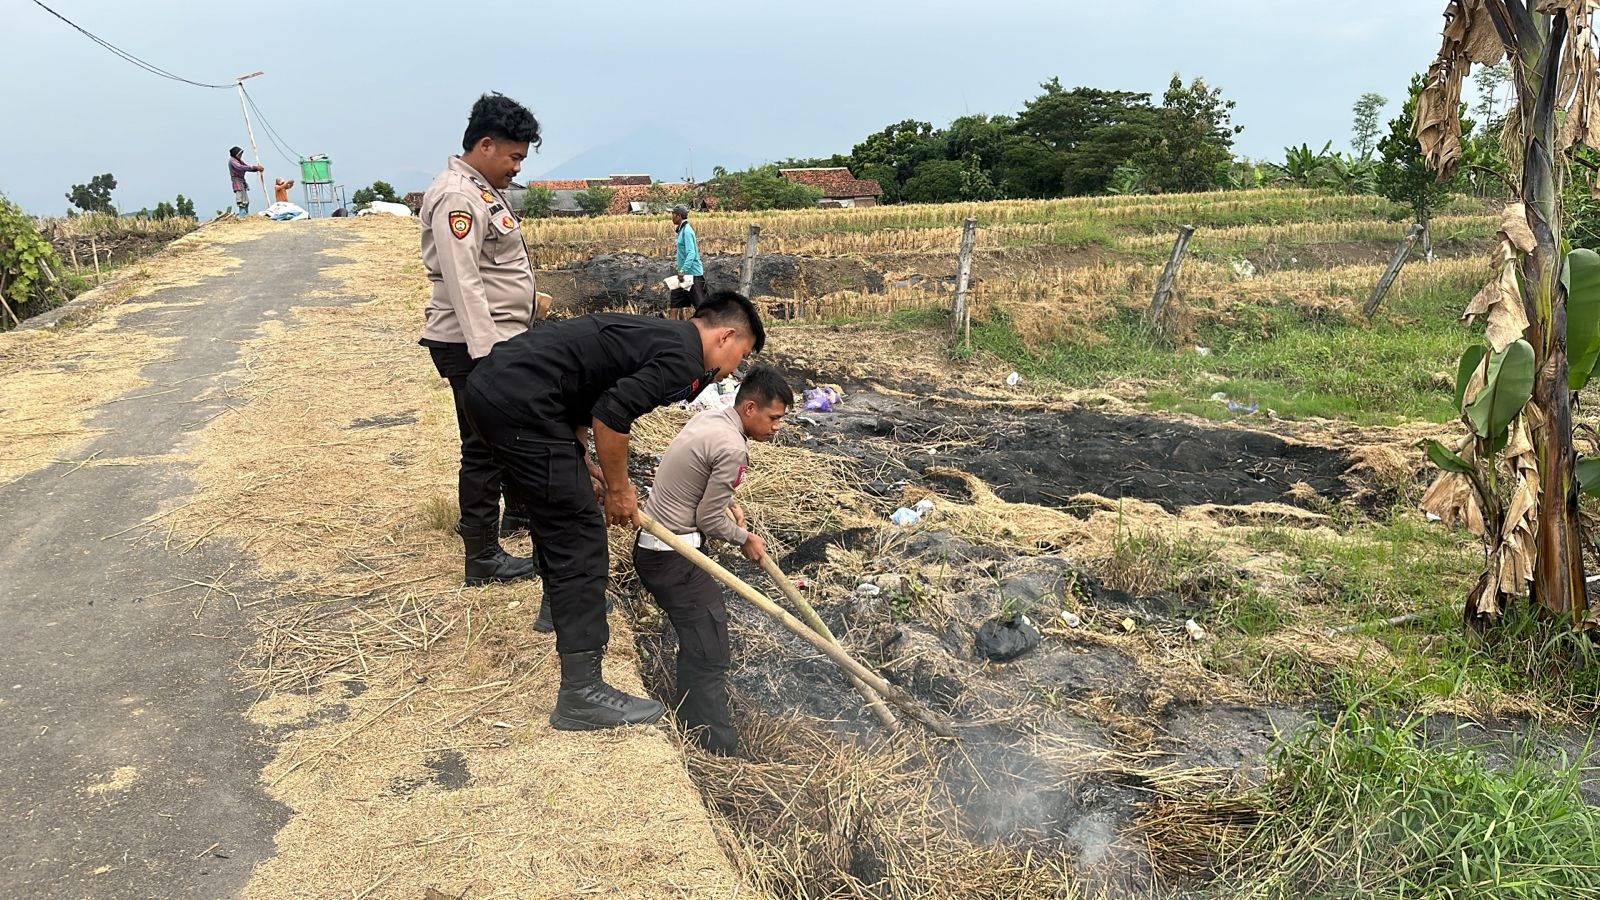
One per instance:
(483, 293)
(693, 496)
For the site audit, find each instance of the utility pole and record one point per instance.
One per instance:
(262, 175)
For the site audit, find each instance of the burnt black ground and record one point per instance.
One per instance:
(1046, 456)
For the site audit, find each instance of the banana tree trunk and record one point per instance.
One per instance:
(1558, 571)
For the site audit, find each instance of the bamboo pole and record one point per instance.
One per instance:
(809, 614)
(845, 661)
(1169, 275)
(960, 317)
(1401, 254)
(747, 269)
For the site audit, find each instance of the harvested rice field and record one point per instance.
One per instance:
(1172, 590)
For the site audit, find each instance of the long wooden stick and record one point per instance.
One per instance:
(787, 587)
(845, 661)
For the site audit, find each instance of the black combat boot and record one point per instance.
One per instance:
(586, 703)
(487, 561)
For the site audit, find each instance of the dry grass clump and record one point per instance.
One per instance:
(811, 816)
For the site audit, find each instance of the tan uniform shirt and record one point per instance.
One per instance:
(473, 250)
(695, 481)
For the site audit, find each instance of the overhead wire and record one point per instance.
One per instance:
(277, 141)
(282, 146)
(152, 68)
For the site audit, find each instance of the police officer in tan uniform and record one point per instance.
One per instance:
(693, 496)
(483, 293)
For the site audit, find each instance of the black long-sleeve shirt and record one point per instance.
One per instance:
(608, 366)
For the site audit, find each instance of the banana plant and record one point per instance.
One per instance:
(1555, 69)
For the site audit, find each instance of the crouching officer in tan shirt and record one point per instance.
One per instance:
(483, 293)
(693, 496)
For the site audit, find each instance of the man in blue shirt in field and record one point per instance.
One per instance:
(686, 299)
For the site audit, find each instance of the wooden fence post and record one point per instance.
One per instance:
(1401, 254)
(961, 317)
(747, 271)
(1168, 276)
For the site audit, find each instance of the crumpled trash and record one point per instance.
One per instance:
(1202, 351)
(1005, 638)
(1012, 379)
(1219, 396)
(1242, 408)
(867, 589)
(905, 516)
(717, 396)
(1072, 619)
(910, 515)
(285, 212)
(821, 399)
(1196, 633)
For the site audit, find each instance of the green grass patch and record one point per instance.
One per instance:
(1388, 568)
(1275, 357)
(1363, 808)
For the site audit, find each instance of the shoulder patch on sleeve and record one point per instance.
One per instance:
(487, 197)
(460, 224)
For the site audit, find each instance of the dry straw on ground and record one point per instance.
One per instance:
(411, 713)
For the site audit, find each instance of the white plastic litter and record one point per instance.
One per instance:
(905, 516)
(1202, 351)
(1219, 396)
(867, 589)
(1012, 379)
(1072, 619)
(1195, 631)
(285, 212)
(924, 505)
(385, 208)
(719, 395)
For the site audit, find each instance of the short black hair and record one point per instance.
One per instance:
(236, 152)
(497, 116)
(764, 384)
(730, 309)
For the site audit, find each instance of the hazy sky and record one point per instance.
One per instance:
(384, 87)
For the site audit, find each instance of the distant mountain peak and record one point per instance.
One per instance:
(654, 150)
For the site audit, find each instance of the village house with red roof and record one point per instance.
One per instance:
(839, 187)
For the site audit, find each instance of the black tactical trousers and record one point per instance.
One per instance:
(694, 603)
(568, 530)
(478, 483)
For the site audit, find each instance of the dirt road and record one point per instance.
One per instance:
(126, 767)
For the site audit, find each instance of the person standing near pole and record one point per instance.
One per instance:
(483, 294)
(535, 401)
(684, 300)
(693, 496)
(237, 169)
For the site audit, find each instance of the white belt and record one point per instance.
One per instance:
(650, 542)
